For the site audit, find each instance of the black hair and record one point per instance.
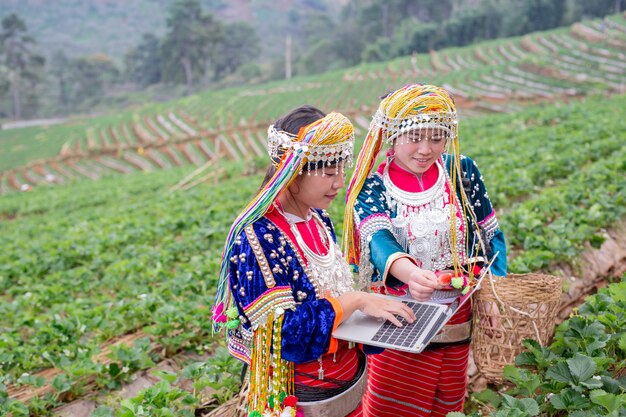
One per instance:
(292, 122)
(297, 118)
(384, 96)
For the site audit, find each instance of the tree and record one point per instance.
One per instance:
(23, 66)
(143, 62)
(415, 36)
(239, 46)
(465, 27)
(381, 50)
(59, 66)
(91, 77)
(191, 39)
(322, 56)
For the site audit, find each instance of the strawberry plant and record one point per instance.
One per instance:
(580, 374)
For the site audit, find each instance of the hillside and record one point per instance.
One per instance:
(496, 76)
(122, 23)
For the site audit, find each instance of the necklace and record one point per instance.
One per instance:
(316, 257)
(423, 221)
(413, 199)
(328, 273)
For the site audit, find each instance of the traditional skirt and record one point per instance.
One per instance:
(431, 383)
(337, 368)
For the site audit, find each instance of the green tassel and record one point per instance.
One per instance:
(457, 283)
(232, 313)
(232, 324)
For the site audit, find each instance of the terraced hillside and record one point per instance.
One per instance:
(491, 77)
(100, 282)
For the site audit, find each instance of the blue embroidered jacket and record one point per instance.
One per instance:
(373, 217)
(267, 274)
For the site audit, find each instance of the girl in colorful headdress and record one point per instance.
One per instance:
(284, 285)
(420, 225)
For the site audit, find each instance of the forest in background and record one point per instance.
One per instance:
(180, 47)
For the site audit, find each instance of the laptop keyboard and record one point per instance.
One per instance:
(407, 335)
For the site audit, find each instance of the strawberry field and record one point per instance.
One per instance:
(101, 280)
(107, 274)
(583, 373)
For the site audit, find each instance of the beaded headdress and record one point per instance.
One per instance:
(320, 149)
(417, 109)
(318, 146)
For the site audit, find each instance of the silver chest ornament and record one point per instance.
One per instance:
(330, 273)
(422, 222)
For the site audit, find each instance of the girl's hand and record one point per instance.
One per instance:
(387, 309)
(422, 283)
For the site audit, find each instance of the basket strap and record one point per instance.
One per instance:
(495, 293)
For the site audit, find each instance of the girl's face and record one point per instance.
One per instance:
(319, 190)
(416, 155)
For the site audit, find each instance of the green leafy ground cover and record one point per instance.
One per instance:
(581, 374)
(86, 262)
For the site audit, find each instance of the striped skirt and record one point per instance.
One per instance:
(342, 365)
(431, 383)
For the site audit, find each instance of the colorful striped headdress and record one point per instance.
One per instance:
(319, 145)
(416, 107)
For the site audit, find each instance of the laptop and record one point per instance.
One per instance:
(414, 337)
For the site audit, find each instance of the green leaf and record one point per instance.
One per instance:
(610, 402)
(569, 399)
(525, 359)
(102, 412)
(527, 382)
(114, 369)
(35, 381)
(591, 383)
(537, 355)
(190, 400)
(530, 406)
(581, 367)
(19, 409)
(560, 373)
(61, 383)
(488, 396)
(610, 385)
(165, 412)
(559, 402)
(170, 377)
(524, 407)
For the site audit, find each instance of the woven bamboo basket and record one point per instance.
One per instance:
(526, 307)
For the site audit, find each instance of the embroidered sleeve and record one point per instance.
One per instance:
(267, 279)
(258, 284)
(373, 223)
(257, 279)
(485, 215)
(384, 249)
(307, 331)
(276, 331)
